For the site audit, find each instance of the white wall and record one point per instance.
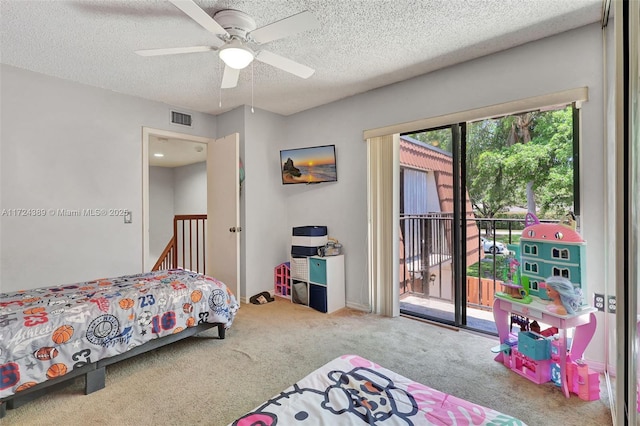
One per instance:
(161, 210)
(70, 146)
(190, 195)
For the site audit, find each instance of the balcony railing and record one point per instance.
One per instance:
(425, 245)
(426, 250)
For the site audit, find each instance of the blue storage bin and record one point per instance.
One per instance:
(318, 297)
(318, 271)
(534, 345)
(302, 251)
(309, 231)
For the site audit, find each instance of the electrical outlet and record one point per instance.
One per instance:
(598, 301)
(611, 302)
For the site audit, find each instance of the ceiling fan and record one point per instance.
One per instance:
(237, 36)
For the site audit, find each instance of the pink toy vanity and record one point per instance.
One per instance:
(584, 322)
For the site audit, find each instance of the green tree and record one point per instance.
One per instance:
(487, 183)
(523, 160)
(439, 138)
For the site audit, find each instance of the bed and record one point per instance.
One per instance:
(53, 334)
(351, 390)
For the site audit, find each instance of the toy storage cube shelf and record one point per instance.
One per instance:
(323, 278)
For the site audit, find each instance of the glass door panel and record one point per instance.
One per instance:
(465, 191)
(427, 285)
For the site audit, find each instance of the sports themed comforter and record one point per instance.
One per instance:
(351, 390)
(47, 332)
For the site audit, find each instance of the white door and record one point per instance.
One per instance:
(223, 212)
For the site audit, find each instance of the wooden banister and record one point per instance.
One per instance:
(186, 249)
(166, 259)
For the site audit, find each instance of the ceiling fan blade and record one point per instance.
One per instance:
(294, 24)
(285, 64)
(200, 16)
(230, 77)
(174, 50)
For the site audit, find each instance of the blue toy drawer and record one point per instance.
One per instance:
(309, 231)
(534, 345)
(318, 298)
(318, 271)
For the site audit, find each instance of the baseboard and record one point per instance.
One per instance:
(358, 307)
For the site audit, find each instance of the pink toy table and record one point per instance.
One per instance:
(583, 321)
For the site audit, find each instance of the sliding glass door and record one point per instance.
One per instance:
(429, 237)
(464, 192)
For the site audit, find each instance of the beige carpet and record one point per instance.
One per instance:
(206, 381)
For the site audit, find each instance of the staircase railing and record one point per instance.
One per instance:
(187, 247)
(165, 261)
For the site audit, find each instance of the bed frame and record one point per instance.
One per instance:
(95, 372)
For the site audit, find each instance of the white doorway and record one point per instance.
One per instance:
(220, 165)
(177, 189)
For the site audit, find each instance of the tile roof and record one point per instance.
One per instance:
(421, 156)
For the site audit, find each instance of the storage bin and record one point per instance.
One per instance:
(309, 241)
(299, 268)
(299, 292)
(318, 297)
(302, 251)
(533, 345)
(318, 271)
(309, 231)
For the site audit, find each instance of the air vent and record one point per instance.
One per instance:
(180, 118)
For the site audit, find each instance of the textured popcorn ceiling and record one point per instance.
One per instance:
(360, 44)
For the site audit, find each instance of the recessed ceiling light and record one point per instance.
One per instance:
(158, 154)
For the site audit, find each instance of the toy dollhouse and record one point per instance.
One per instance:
(551, 249)
(551, 260)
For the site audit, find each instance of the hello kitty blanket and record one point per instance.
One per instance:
(351, 390)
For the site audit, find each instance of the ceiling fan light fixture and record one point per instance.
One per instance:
(235, 55)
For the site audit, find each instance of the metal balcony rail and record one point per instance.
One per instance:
(425, 243)
(426, 255)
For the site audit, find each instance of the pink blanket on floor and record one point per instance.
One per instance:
(351, 390)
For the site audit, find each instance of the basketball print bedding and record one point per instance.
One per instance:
(55, 333)
(351, 390)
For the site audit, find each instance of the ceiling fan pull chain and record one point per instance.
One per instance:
(220, 86)
(251, 87)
